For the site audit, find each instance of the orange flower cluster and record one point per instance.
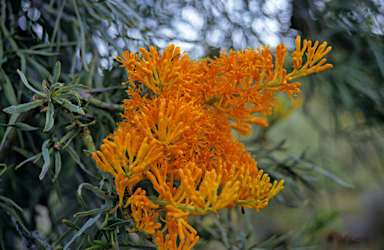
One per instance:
(177, 133)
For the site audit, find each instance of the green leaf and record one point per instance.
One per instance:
(95, 247)
(49, 117)
(69, 223)
(13, 213)
(87, 124)
(78, 222)
(76, 157)
(23, 107)
(82, 35)
(88, 224)
(1, 53)
(125, 222)
(57, 164)
(25, 127)
(38, 52)
(29, 86)
(94, 211)
(71, 138)
(28, 160)
(102, 243)
(123, 234)
(56, 73)
(5, 169)
(56, 85)
(20, 125)
(46, 158)
(69, 95)
(5, 199)
(68, 105)
(8, 89)
(57, 188)
(71, 126)
(48, 93)
(81, 202)
(96, 191)
(273, 241)
(9, 129)
(105, 222)
(74, 87)
(75, 80)
(333, 177)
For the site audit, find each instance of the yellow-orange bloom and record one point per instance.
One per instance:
(160, 72)
(177, 133)
(127, 158)
(143, 212)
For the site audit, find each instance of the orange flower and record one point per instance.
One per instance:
(127, 158)
(167, 122)
(143, 212)
(160, 73)
(177, 133)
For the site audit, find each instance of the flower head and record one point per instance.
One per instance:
(177, 135)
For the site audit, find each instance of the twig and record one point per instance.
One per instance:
(30, 240)
(107, 89)
(100, 104)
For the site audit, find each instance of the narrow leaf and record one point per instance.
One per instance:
(5, 199)
(76, 157)
(75, 80)
(23, 107)
(56, 85)
(333, 177)
(95, 190)
(78, 222)
(75, 87)
(71, 107)
(71, 95)
(28, 160)
(5, 169)
(24, 126)
(49, 117)
(123, 234)
(8, 89)
(12, 120)
(88, 224)
(94, 211)
(46, 158)
(57, 164)
(29, 86)
(81, 202)
(56, 73)
(47, 91)
(13, 213)
(57, 188)
(273, 241)
(38, 52)
(125, 222)
(69, 223)
(20, 125)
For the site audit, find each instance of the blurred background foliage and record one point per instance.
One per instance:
(328, 145)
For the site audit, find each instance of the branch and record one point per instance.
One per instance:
(100, 104)
(107, 89)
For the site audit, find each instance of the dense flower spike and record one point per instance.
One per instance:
(176, 133)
